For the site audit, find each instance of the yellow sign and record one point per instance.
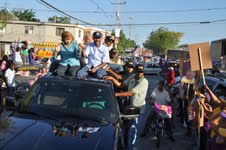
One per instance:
(45, 54)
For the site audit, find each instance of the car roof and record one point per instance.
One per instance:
(223, 81)
(52, 77)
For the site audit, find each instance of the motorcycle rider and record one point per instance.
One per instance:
(160, 96)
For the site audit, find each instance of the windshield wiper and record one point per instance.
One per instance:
(37, 114)
(89, 118)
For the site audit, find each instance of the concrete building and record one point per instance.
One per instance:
(40, 32)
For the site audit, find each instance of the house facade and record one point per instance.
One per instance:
(39, 32)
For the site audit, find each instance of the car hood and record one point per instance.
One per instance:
(30, 134)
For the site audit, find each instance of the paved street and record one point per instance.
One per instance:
(149, 142)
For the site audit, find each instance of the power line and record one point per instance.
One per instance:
(167, 23)
(134, 12)
(98, 7)
(86, 23)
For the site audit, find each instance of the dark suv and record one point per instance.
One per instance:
(66, 113)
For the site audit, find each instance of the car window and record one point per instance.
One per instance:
(209, 82)
(71, 98)
(218, 91)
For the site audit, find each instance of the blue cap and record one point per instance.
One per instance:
(97, 34)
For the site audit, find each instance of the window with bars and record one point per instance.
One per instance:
(59, 31)
(29, 29)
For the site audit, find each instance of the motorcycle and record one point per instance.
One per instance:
(158, 124)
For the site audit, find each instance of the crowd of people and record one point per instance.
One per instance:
(203, 113)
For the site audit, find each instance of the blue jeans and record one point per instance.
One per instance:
(10, 91)
(115, 67)
(84, 72)
(26, 59)
(132, 134)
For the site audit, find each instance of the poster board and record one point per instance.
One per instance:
(194, 57)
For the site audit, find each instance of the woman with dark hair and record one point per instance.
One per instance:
(69, 53)
(4, 64)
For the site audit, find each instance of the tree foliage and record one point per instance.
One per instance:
(124, 42)
(5, 16)
(162, 39)
(25, 15)
(56, 19)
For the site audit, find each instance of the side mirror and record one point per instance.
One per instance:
(130, 112)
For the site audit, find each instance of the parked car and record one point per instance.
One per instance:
(152, 68)
(216, 84)
(21, 89)
(66, 113)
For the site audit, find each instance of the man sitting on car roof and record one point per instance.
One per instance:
(98, 57)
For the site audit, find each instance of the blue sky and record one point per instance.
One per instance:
(193, 33)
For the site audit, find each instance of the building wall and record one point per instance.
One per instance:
(42, 32)
(216, 48)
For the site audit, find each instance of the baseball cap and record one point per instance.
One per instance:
(113, 51)
(171, 68)
(97, 35)
(139, 68)
(109, 38)
(130, 64)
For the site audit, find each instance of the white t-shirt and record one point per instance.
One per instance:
(10, 75)
(9, 52)
(161, 98)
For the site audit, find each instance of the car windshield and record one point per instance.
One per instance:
(60, 99)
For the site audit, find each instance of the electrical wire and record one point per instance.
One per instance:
(131, 12)
(86, 23)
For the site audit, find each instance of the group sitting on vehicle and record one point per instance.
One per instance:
(202, 112)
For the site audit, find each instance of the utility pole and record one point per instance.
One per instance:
(117, 28)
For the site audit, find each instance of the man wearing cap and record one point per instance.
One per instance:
(98, 57)
(170, 76)
(113, 61)
(129, 70)
(109, 40)
(137, 86)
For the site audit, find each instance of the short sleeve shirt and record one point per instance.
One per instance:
(162, 98)
(139, 88)
(97, 55)
(10, 74)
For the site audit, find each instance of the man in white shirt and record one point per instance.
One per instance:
(10, 78)
(98, 57)
(160, 96)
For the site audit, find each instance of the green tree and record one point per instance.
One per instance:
(5, 16)
(25, 15)
(162, 39)
(183, 46)
(56, 19)
(124, 42)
